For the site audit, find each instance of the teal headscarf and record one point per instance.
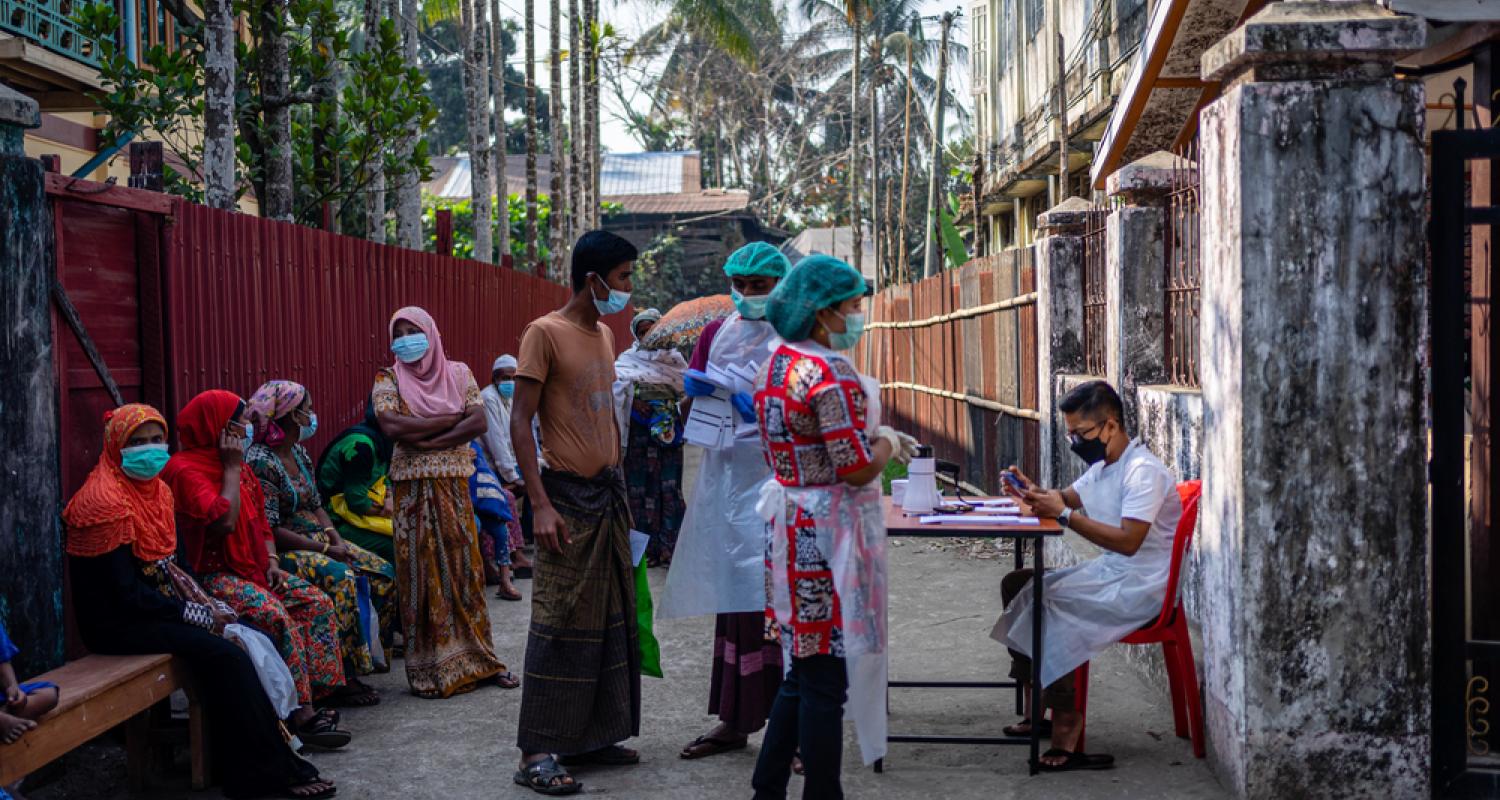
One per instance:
(757, 258)
(816, 283)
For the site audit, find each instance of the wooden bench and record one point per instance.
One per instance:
(98, 693)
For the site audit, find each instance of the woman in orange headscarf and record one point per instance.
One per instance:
(228, 544)
(131, 598)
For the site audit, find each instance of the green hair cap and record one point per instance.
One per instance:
(816, 283)
(757, 258)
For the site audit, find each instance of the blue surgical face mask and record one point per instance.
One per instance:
(616, 302)
(854, 327)
(143, 462)
(507, 389)
(410, 348)
(310, 429)
(750, 307)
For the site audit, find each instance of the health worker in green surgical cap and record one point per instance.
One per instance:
(825, 570)
(719, 567)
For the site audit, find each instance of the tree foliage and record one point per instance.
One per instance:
(376, 98)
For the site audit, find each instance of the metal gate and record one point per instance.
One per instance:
(1466, 636)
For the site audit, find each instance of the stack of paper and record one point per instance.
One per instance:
(713, 422)
(978, 519)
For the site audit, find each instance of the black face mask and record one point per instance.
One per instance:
(1092, 451)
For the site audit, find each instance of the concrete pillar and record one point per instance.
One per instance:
(30, 542)
(1059, 320)
(1136, 278)
(1312, 534)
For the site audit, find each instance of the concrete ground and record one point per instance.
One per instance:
(945, 598)
(944, 601)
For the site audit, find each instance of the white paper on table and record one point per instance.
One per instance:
(638, 542)
(978, 519)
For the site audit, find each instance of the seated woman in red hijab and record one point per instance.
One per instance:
(227, 542)
(128, 595)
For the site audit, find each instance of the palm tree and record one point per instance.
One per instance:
(218, 103)
(375, 197)
(476, 106)
(557, 217)
(575, 151)
(497, 124)
(531, 188)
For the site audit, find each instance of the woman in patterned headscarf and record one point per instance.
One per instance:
(131, 598)
(308, 544)
(430, 406)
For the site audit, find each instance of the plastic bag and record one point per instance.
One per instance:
(650, 648)
(275, 678)
(369, 621)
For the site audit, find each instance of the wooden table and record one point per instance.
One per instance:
(899, 524)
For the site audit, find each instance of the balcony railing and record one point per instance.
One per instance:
(48, 23)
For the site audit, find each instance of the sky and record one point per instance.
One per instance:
(631, 17)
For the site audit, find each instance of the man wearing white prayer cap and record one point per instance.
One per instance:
(502, 457)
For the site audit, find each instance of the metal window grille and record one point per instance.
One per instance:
(1184, 271)
(1036, 13)
(1094, 299)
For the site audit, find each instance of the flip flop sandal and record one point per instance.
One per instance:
(322, 733)
(507, 680)
(705, 746)
(513, 596)
(328, 790)
(538, 776)
(611, 756)
(353, 698)
(1076, 761)
(1015, 730)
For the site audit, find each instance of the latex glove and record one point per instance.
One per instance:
(744, 404)
(903, 446)
(694, 384)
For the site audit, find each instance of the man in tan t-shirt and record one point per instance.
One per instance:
(581, 694)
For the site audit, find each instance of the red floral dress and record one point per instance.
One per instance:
(812, 420)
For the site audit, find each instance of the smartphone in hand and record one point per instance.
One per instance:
(1012, 481)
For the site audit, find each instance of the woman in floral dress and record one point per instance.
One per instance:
(306, 540)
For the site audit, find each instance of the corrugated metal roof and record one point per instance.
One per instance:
(837, 242)
(643, 183)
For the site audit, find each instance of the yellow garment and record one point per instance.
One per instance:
(378, 525)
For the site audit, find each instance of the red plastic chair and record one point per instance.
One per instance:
(1170, 631)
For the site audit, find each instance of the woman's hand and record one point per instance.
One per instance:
(14, 697)
(276, 577)
(340, 552)
(231, 449)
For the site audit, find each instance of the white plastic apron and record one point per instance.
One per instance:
(850, 533)
(719, 564)
(1095, 604)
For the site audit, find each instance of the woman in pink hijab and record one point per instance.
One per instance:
(431, 408)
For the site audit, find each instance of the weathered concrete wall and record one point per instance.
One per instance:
(1135, 352)
(1059, 321)
(30, 540)
(1312, 533)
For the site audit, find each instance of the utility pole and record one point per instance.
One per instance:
(930, 265)
(903, 264)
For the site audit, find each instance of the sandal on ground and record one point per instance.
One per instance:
(354, 695)
(323, 733)
(330, 714)
(1017, 729)
(513, 596)
(308, 792)
(507, 680)
(546, 777)
(1076, 761)
(705, 746)
(611, 756)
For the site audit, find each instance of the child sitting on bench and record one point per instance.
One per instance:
(24, 702)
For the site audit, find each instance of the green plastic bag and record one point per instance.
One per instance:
(644, 612)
